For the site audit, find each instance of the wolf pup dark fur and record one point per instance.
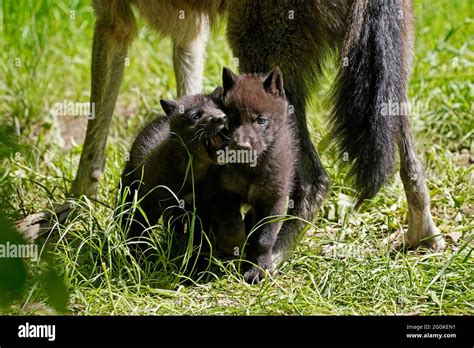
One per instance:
(259, 123)
(193, 128)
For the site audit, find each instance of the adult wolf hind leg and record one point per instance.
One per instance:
(188, 60)
(115, 28)
(188, 25)
(421, 228)
(311, 185)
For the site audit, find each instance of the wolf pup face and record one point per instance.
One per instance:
(200, 123)
(257, 109)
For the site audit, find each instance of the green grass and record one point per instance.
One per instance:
(341, 266)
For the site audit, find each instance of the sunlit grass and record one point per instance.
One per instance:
(342, 266)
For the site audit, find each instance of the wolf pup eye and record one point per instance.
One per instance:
(261, 120)
(196, 116)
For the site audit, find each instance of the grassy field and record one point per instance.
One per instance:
(343, 265)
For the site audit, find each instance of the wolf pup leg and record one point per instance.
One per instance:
(227, 224)
(261, 128)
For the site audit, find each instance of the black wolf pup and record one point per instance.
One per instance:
(158, 169)
(259, 124)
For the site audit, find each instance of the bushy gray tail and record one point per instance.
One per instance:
(371, 77)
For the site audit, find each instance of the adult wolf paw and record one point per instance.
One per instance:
(422, 231)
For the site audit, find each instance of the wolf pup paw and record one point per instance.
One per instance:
(254, 275)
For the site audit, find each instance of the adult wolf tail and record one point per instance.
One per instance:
(370, 79)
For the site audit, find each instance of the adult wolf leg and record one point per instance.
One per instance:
(421, 228)
(310, 188)
(378, 53)
(188, 60)
(188, 24)
(114, 30)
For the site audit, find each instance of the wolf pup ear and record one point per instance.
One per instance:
(273, 84)
(218, 93)
(228, 79)
(169, 106)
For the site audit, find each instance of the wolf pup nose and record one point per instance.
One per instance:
(261, 128)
